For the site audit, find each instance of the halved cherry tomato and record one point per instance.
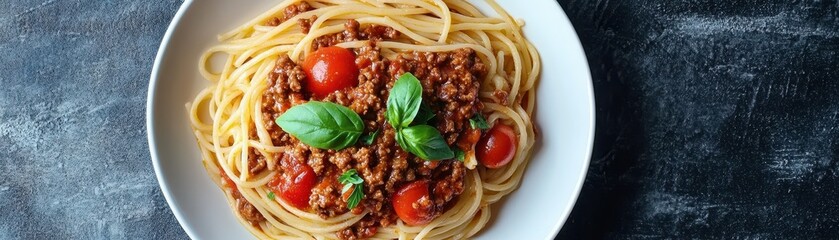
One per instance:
(497, 147)
(412, 203)
(295, 185)
(330, 69)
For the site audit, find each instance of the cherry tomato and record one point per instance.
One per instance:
(330, 69)
(497, 147)
(411, 195)
(295, 185)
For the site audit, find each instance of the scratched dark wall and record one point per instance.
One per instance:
(715, 119)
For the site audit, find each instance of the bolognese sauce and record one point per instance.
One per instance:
(450, 82)
(331, 127)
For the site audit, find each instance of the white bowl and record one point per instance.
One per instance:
(537, 210)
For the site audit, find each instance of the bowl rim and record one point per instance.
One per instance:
(154, 78)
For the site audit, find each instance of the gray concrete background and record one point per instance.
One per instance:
(73, 80)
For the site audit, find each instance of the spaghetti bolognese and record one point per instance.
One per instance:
(368, 119)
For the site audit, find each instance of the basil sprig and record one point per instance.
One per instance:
(459, 154)
(424, 115)
(404, 101)
(352, 180)
(403, 104)
(426, 142)
(323, 125)
(478, 122)
(369, 138)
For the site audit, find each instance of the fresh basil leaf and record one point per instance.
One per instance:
(369, 138)
(459, 154)
(344, 178)
(426, 142)
(355, 197)
(404, 101)
(478, 122)
(400, 139)
(409, 115)
(424, 115)
(356, 180)
(352, 180)
(271, 195)
(350, 176)
(322, 125)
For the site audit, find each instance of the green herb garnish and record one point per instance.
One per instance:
(352, 180)
(459, 154)
(404, 107)
(271, 196)
(424, 115)
(478, 122)
(426, 142)
(369, 138)
(323, 125)
(404, 101)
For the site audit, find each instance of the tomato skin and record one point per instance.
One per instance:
(330, 69)
(295, 185)
(404, 199)
(497, 147)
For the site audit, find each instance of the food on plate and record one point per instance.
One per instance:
(356, 119)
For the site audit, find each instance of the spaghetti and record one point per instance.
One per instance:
(238, 141)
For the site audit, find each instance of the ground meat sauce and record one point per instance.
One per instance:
(256, 162)
(289, 12)
(450, 83)
(245, 208)
(306, 24)
(352, 32)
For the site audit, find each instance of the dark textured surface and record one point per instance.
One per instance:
(73, 80)
(715, 119)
